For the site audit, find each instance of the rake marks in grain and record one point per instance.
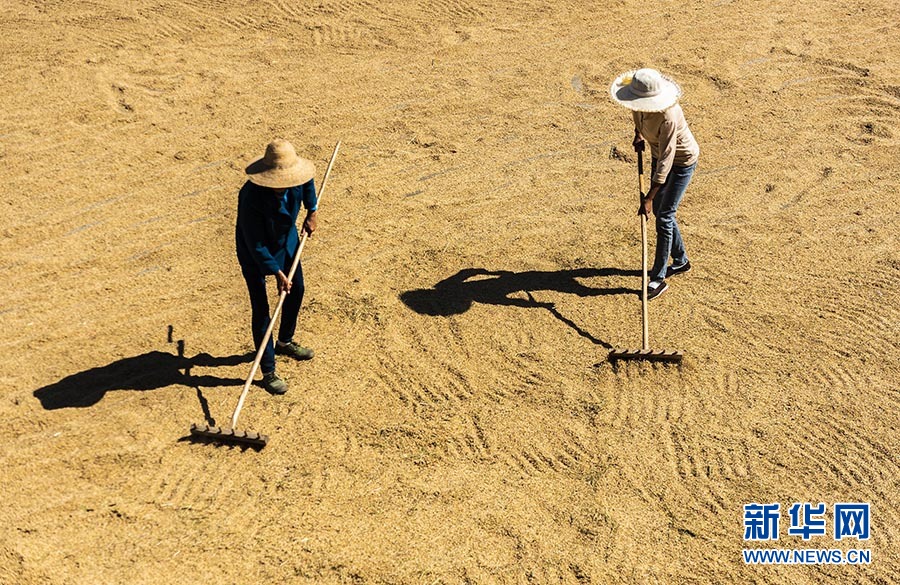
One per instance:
(182, 486)
(838, 450)
(713, 458)
(454, 9)
(419, 392)
(561, 453)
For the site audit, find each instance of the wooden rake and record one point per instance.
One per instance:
(231, 434)
(645, 353)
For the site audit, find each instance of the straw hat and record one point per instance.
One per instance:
(645, 90)
(280, 167)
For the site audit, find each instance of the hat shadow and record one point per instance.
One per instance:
(456, 294)
(147, 371)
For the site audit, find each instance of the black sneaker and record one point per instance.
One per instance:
(656, 288)
(274, 384)
(683, 269)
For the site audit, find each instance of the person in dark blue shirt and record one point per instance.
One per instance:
(266, 237)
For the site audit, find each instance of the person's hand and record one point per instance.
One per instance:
(638, 143)
(310, 223)
(646, 207)
(283, 283)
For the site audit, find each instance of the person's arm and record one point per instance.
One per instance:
(638, 142)
(663, 165)
(311, 203)
(666, 158)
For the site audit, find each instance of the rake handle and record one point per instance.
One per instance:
(645, 318)
(281, 297)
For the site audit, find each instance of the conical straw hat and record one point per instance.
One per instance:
(280, 167)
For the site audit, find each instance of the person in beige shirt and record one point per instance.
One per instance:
(659, 121)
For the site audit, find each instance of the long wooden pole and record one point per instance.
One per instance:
(282, 296)
(645, 319)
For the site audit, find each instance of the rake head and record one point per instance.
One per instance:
(227, 435)
(650, 355)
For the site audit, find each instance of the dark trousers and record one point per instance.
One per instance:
(668, 236)
(259, 304)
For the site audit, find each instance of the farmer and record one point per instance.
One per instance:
(658, 119)
(267, 239)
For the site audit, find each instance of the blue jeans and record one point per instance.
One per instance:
(668, 236)
(259, 304)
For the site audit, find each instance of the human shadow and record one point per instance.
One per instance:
(456, 294)
(148, 371)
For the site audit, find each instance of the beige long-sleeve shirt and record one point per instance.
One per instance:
(670, 138)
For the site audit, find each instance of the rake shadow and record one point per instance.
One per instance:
(456, 294)
(148, 371)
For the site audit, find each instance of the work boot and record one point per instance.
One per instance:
(298, 352)
(274, 384)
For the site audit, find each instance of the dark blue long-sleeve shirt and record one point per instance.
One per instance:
(266, 232)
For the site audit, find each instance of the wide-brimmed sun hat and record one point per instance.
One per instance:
(645, 90)
(280, 167)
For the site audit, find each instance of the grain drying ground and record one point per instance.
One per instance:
(476, 259)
